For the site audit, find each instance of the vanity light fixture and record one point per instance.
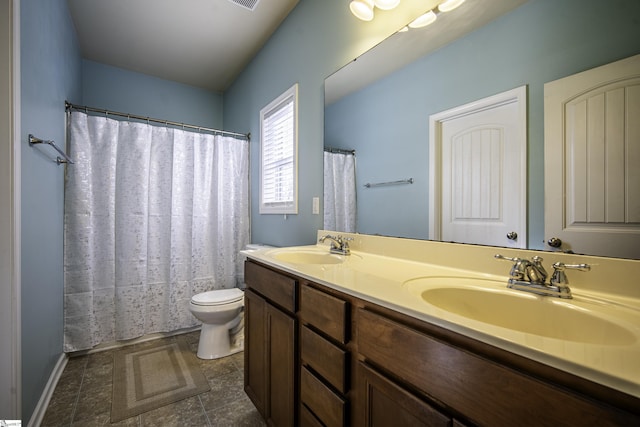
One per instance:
(386, 4)
(424, 20)
(449, 5)
(431, 16)
(362, 9)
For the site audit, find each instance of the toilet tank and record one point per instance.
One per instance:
(250, 247)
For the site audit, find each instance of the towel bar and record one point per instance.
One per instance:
(65, 159)
(378, 184)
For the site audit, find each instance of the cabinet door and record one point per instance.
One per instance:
(386, 404)
(255, 375)
(280, 367)
(269, 360)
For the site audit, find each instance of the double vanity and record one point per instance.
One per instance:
(389, 331)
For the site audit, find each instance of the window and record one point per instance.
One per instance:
(279, 155)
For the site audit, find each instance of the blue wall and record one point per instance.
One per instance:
(52, 71)
(50, 74)
(541, 41)
(316, 39)
(125, 91)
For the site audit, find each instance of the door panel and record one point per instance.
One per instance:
(479, 158)
(592, 159)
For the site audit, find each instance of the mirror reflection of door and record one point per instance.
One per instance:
(478, 172)
(592, 160)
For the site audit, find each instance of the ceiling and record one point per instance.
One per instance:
(203, 43)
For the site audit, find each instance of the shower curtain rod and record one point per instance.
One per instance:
(339, 150)
(69, 106)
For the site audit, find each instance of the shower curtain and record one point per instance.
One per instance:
(153, 215)
(340, 192)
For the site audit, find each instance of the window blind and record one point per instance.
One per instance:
(278, 142)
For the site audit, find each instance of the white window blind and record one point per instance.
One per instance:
(278, 142)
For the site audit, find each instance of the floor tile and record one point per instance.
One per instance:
(238, 413)
(225, 389)
(187, 412)
(82, 397)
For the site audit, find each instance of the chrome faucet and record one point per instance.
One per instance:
(530, 276)
(339, 244)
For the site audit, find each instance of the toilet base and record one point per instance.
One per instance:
(216, 342)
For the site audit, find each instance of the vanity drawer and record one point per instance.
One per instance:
(327, 359)
(324, 403)
(484, 391)
(276, 287)
(325, 312)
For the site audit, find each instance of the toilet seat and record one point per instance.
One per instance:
(218, 297)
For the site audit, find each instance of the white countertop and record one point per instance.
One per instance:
(381, 280)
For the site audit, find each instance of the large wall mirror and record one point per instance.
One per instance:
(379, 105)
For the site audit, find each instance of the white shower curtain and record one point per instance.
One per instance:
(153, 215)
(340, 192)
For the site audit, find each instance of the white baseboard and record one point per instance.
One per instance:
(43, 403)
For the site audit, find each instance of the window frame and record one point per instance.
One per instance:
(288, 206)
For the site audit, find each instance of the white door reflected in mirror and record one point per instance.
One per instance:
(478, 171)
(592, 159)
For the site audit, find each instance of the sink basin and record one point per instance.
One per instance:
(489, 301)
(308, 257)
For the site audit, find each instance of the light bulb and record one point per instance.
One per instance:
(386, 4)
(449, 5)
(362, 9)
(423, 20)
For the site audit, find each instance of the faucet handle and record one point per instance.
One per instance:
(506, 258)
(519, 268)
(581, 267)
(559, 277)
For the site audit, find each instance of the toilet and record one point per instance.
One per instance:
(220, 312)
(222, 317)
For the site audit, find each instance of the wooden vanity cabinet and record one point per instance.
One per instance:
(337, 360)
(271, 344)
(467, 384)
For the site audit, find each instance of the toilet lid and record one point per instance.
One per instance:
(217, 297)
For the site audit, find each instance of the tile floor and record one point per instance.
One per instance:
(83, 395)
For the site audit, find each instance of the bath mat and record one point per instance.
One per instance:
(151, 377)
